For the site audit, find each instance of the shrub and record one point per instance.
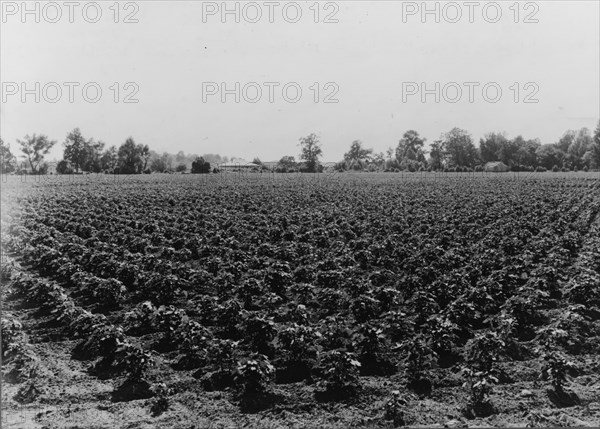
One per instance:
(419, 361)
(161, 402)
(64, 167)
(161, 289)
(373, 352)
(260, 333)
(103, 341)
(555, 369)
(253, 379)
(142, 319)
(109, 293)
(134, 361)
(11, 332)
(555, 168)
(341, 375)
(169, 319)
(298, 350)
(482, 351)
(394, 409)
(479, 386)
(193, 340)
(200, 166)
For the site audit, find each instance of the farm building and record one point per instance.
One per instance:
(498, 167)
(238, 164)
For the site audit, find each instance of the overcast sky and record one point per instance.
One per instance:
(374, 60)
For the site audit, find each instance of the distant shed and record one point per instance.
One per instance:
(239, 165)
(496, 167)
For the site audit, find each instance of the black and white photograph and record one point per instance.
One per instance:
(299, 214)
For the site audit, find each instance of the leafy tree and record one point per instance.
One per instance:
(7, 159)
(379, 158)
(389, 152)
(180, 157)
(436, 155)
(64, 167)
(489, 146)
(595, 148)
(200, 166)
(109, 159)
(181, 168)
(410, 147)
(93, 161)
(75, 149)
(257, 161)
(144, 152)
(527, 152)
(580, 145)
(35, 147)
(458, 148)
(287, 162)
(566, 140)
(311, 151)
(357, 152)
(508, 150)
(549, 155)
(130, 157)
(161, 163)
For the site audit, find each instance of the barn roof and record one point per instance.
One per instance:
(240, 163)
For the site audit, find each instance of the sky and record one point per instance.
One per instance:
(168, 73)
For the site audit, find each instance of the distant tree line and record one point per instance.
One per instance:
(86, 155)
(453, 151)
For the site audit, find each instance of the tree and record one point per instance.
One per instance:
(357, 152)
(389, 152)
(200, 166)
(527, 153)
(287, 163)
(7, 159)
(549, 155)
(181, 167)
(257, 161)
(144, 152)
(34, 148)
(595, 148)
(93, 161)
(458, 147)
(64, 167)
(75, 149)
(490, 146)
(130, 159)
(410, 147)
(311, 151)
(581, 144)
(566, 140)
(180, 157)
(379, 158)
(436, 155)
(161, 163)
(82, 154)
(109, 159)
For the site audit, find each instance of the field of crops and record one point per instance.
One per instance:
(306, 301)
